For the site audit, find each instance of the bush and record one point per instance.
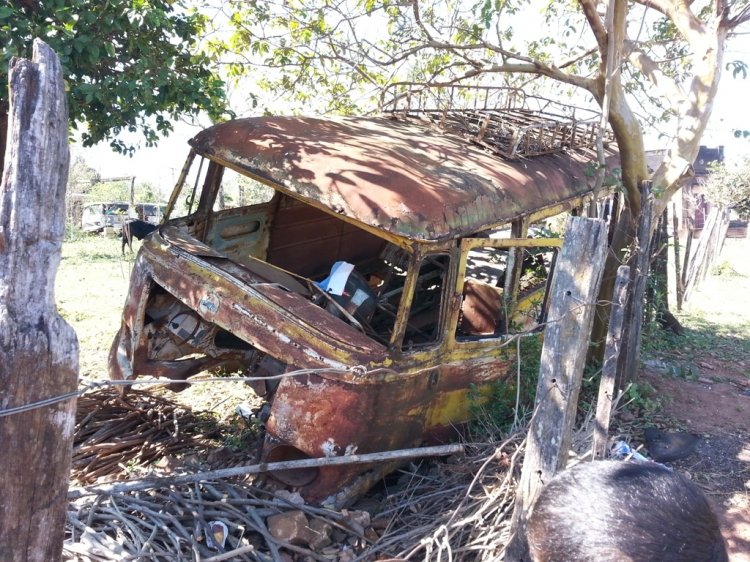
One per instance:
(498, 408)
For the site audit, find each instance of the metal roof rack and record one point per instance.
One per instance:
(504, 120)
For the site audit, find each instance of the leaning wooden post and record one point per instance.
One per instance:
(630, 361)
(677, 262)
(575, 286)
(38, 349)
(609, 368)
(686, 262)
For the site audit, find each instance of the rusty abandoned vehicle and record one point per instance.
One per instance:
(391, 257)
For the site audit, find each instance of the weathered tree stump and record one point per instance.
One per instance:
(38, 349)
(566, 338)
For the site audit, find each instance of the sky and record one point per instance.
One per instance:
(730, 106)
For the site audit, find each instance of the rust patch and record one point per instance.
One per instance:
(399, 177)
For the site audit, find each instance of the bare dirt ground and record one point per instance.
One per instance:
(702, 386)
(715, 408)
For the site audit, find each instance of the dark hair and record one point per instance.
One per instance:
(615, 510)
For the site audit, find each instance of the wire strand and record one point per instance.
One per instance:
(94, 385)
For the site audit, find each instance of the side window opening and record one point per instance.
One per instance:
(537, 264)
(235, 190)
(484, 307)
(193, 182)
(500, 298)
(238, 191)
(423, 322)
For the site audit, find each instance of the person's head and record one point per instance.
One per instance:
(623, 511)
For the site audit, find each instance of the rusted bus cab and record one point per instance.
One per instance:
(392, 259)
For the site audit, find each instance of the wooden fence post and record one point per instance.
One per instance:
(677, 262)
(609, 368)
(38, 349)
(575, 286)
(709, 247)
(630, 358)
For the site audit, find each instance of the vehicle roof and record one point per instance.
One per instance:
(400, 176)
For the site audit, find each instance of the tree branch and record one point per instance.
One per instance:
(658, 5)
(665, 84)
(732, 22)
(681, 15)
(596, 24)
(545, 70)
(579, 58)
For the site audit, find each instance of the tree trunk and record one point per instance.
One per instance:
(3, 134)
(657, 286)
(566, 338)
(659, 280)
(38, 349)
(622, 237)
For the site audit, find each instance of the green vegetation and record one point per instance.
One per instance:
(730, 186)
(497, 411)
(243, 433)
(128, 65)
(714, 320)
(642, 398)
(90, 290)
(703, 336)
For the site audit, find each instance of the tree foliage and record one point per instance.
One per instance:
(81, 176)
(129, 65)
(729, 186)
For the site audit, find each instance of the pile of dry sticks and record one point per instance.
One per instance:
(458, 509)
(113, 434)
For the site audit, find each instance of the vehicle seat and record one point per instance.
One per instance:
(481, 310)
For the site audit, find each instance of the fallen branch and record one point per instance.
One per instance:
(160, 482)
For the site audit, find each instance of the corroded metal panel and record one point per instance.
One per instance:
(335, 415)
(271, 317)
(402, 178)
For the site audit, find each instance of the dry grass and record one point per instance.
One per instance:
(90, 290)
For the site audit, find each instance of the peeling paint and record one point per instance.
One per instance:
(329, 448)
